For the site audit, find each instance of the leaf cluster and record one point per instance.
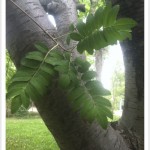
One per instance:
(101, 29)
(37, 72)
(41, 67)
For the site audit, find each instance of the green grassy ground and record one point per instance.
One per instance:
(28, 134)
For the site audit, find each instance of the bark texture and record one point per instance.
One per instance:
(133, 52)
(22, 32)
(70, 131)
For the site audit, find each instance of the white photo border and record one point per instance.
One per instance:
(2, 75)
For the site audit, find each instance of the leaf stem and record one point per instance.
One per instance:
(45, 58)
(41, 64)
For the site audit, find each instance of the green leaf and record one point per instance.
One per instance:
(16, 85)
(91, 115)
(57, 54)
(96, 88)
(85, 44)
(106, 11)
(75, 82)
(14, 92)
(26, 78)
(15, 104)
(99, 17)
(100, 40)
(24, 71)
(75, 36)
(102, 101)
(61, 69)
(114, 33)
(75, 93)
(99, 91)
(46, 76)
(78, 103)
(64, 80)
(83, 65)
(87, 106)
(48, 69)
(106, 111)
(125, 24)
(41, 47)
(62, 66)
(44, 80)
(72, 76)
(110, 38)
(41, 89)
(102, 119)
(90, 23)
(78, 61)
(30, 63)
(81, 27)
(81, 46)
(51, 60)
(112, 16)
(88, 46)
(54, 61)
(35, 55)
(89, 75)
(32, 93)
(25, 100)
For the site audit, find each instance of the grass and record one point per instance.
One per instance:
(28, 134)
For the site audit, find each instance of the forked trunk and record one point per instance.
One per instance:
(70, 131)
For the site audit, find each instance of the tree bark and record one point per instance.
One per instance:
(70, 131)
(133, 51)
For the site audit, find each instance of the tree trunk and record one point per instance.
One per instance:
(69, 130)
(133, 51)
(99, 63)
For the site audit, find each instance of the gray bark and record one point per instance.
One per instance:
(70, 131)
(99, 63)
(21, 32)
(133, 52)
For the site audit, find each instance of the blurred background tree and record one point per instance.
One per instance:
(118, 86)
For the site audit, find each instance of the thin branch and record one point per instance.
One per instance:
(41, 64)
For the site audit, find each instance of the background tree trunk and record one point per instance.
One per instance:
(133, 54)
(70, 131)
